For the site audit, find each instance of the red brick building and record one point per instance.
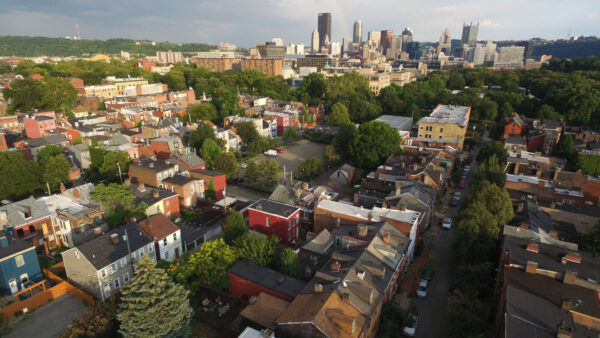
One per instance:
(514, 125)
(248, 279)
(218, 179)
(275, 219)
(36, 126)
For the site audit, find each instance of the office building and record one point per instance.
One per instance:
(271, 67)
(469, 34)
(407, 36)
(169, 57)
(270, 50)
(528, 44)
(374, 38)
(445, 44)
(277, 42)
(414, 49)
(482, 53)
(358, 32)
(314, 41)
(510, 57)
(386, 40)
(396, 47)
(299, 49)
(318, 61)
(445, 124)
(335, 48)
(324, 26)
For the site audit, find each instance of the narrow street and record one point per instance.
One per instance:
(432, 310)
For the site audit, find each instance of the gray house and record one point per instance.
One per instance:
(81, 154)
(104, 264)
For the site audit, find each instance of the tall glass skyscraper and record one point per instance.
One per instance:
(324, 26)
(358, 32)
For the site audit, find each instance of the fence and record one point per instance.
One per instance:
(41, 293)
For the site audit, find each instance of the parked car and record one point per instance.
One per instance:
(279, 150)
(462, 183)
(243, 165)
(239, 180)
(447, 224)
(411, 328)
(422, 288)
(270, 152)
(427, 275)
(455, 199)
(467, 169)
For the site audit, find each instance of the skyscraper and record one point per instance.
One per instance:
(314, 42)
(324, 26)
(469, 34)
(374, 38)
(407, 36)
(445, 44)
(358, 31)
(386, 40)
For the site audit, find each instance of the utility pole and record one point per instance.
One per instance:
(48, 186)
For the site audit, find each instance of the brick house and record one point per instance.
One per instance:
(283, 120)
(133, 135)
(166, 236)
(29, 220)
(189, 189)
(514, 126)
(247, 279)
(159, 201)
(275, 219)
(166, 147)
(191, 161)
(152, 172)
(10, 123)
(36, 126)
(218, 179)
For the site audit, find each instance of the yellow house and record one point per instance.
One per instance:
(125, 82)
(446, 123)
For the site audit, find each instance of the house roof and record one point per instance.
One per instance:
(408, 216)
(275, 208)
(265, 310)
(16, 213)
(14, 245)
(321, 243)
(515, 139)
(208, 172)
(179, 179)
(191, 160)
(158, 226)
(80, 194)
(268, 278)
(155, 165)
(397, 122)
(44, 141)
(147, 195)
(102, 251)
(283, 194)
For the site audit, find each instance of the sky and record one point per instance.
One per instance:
(245, 22)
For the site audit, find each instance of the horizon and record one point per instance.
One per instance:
(293, 21)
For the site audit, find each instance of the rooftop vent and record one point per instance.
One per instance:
(318, 288)
(335, 266)
(533, 247)
(114, 238)
(280, 280)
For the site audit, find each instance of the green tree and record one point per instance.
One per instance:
(289, 263)
(226, 163)
(206, 266)
(257, 248)
(118, 200)
(111, 163)
(24, 95)
(331, 155)
(210, 150)
(494, 148)
(57, 94)
(314, 85)
(50, 150)
(590, 241)
(343, 138)
(310, 167)
(210, 193)
(203, 112)
(55, 170)
(456, 81)
(152, 305)
(565, 146)
(290, 134)
(491, 171)
(19, 176)
(372, 143)
(197, 137)
(234, 227)
(248, 133)
(339, 115)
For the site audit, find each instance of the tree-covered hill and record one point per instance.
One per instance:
(37, 46)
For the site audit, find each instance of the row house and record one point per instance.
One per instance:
(188, 188)
(190, 161)
(10, 123)
(166, 236)
(133, 135)
(19, 265)
(29, 220)
(150, 131)
(264, 128)
(159, 201)
(219, 180)
(81, 155)
(167, 147)
(35, 145)
(106, 263)
(231, 139)
(275, 219)
(152, 172)
(283, 120)
(37, 126)
(133, 151)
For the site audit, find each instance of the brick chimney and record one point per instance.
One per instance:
(62, 188)
(403, 206)
(533, 247)
(370, 216)
(127, 181)
(141, 186)
(155, 193)
(398, 191)
(556, 172)
(386, 238)
(355, 199)
(75, 194)
(570, 277)
(538, 173)
(566, 303)
(531, 267)
(517, 164)
(335, 266)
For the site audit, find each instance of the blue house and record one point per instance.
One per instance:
(19, 265)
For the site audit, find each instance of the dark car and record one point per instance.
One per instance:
(462, 183)
(239, 180)
(427, 275)
(454, 201)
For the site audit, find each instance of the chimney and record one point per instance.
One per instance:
(531, 267)
(280, 280)
(155, 193)
(141, 186)
(538, 173)
(403, 206)
(541, 183)
(355, 199)
(114, 238)
(533, 247)
(553, 233)
(335, 266)
(386, 238)
(566, 304)
(563, 331)
(570, 277)
(297, 192)
(517, 168)
(362, 230)
(318, 288)
(370, 216)
(556, 172)
(346, 297)
(75, 194)
(377, 175)
(127, 181)
(305, 186)
(62, 188)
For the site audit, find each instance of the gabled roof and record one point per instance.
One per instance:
(147, 195)
(14, 245)
(44, 141)
(102, 251)
(17, 212)
(268, 278)
(191, 160)
(321, 243)
(158, 226)
(283, 194)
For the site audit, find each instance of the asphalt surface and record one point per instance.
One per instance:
(50, 320)
(432, 309)
(244, 194)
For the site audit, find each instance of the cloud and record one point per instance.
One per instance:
(489, 23)
(593, 16)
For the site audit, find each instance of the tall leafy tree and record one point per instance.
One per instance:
(343, 138)
(24, 95)
(494, 148)
(247, 131)
(226, 163)
(372, 143)
(110, 169)
(259, 249)
(310, 167)
(118, 200)
(197, 137)
(289, 263)
(210, 150)
(339, 115)
(290, 134)
(18, 176)
(490, 171)
(55, 170)
(50, 150)
(210, 193)
(203, 112)
(153, 305)
(234, 227)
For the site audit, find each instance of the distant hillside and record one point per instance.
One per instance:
(564, 49)
(37, 46)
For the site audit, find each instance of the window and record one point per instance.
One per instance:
(117, 283)
(141, 251)
(268, 221)
(192, 188)
(103, 273)
(106, 288)
(441, 130)
(173, 188)
(126, 278)
(150, 247)
(165, 241)
(133, 255)
(114, 267)
(289, 236)
(289, 224)
(175, 236)
(123, 262)
(19, 260)
(166, 255)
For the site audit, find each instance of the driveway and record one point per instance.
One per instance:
(432, 310)
(50, 320)
(296, 152)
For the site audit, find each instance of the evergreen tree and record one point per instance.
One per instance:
(289, 263)
(234, 227)
(153, 305)
(210, 193)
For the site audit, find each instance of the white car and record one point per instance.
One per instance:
(467, 169)
(243, 165)
(411, 330)
(422, 288)
(447, 224)
(270, 152)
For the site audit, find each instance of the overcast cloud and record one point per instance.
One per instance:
(246, 22)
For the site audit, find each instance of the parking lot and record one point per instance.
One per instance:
(296, 152)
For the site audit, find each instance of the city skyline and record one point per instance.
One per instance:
(294, 21)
